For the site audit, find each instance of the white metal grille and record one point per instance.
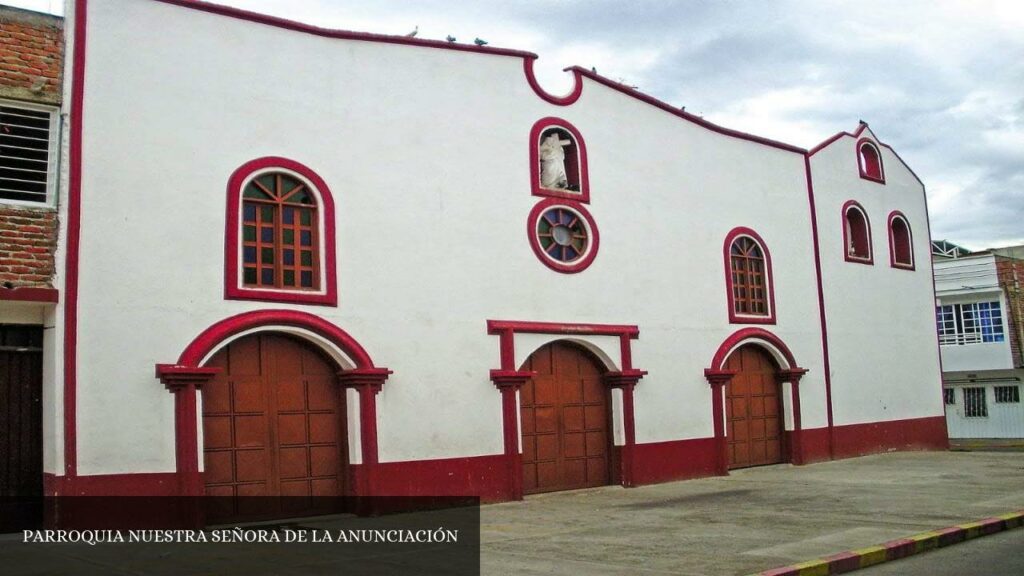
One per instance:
(27, 150)
(974, 403)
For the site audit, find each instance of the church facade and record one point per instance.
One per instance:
(301, 261)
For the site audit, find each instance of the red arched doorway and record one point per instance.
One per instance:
(753, 407)
(564, 410)
(273, 423)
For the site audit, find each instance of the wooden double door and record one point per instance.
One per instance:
(564, 413)
(753, 409)
(273, 421)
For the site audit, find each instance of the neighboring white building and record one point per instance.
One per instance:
(977, 314)
(399, 266)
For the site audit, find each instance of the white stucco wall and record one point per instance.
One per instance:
(425, 152)
(881, 320)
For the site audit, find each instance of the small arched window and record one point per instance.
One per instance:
(870, 161)
(280, 235)
(558, 160)
(749, 278)
(856, 234)
(901, 249)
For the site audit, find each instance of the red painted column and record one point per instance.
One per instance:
(509, 382)
(718, 379)
(626, 381)
(793, 377)
(184, 382)
(367, 382)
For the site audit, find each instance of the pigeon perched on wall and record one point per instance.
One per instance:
(479, 41)
(450, 38)
(414, 32)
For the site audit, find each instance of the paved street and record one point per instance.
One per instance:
(996, 555)
(753, 520)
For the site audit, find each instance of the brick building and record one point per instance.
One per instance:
(980, 319)
(31, 62)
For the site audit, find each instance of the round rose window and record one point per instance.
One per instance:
(563, 235)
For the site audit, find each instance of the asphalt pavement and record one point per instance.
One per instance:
(996, 555)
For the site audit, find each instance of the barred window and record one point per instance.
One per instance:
(28, 143)
(973, 323)
(974, 403)
(1007, 394)
(949, 396)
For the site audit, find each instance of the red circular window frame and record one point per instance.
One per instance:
(594, 241)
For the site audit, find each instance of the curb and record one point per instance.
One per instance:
(851, 560)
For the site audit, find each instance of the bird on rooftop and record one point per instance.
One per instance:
(479, 41)
(593, 69)
(414, 32)
(450, 38)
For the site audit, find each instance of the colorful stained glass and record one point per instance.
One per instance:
(562, 234)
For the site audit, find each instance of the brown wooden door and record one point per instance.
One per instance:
(564, 414)
(273, 421)
(753, 409)
(21, 427)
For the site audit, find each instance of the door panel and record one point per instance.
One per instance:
(564, 414)
(753, 409)
(21, 427)
(273, 422)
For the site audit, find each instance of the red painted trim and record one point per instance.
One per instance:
(676, 111)
(73, 234)
(210, 338)
(552, 122)
(594, 241)
(934, 297)
(874, 437)
(483, 476)
(328, 280)
(566, 100)
(26, 294)
(821, 303)
(892, 244)
(508, 379)
(870, 260)
(511, 326)
(829, 141)
(138, 484)
(657, 462)
(735, 318)
(341, 34)
(751, 335)
(860, 163)
(718, 379)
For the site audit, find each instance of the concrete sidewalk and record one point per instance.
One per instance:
(751, 521)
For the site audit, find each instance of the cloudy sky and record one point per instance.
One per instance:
(942, 82)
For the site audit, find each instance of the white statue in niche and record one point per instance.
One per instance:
(552, 162)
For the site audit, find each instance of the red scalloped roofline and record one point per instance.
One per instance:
(860, 129)
(341, 34)
(682, 113)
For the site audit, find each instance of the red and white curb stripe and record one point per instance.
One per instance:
(900, 548)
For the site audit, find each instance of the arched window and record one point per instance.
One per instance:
(558, 161)
(748, 276)
(280, 234)
(870, 161)
(856, 234)
(901, 249)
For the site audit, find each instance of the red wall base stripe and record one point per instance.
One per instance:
(486, 476)
(657, 462)
(145, 484)
(483, 476)
(872, 438)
